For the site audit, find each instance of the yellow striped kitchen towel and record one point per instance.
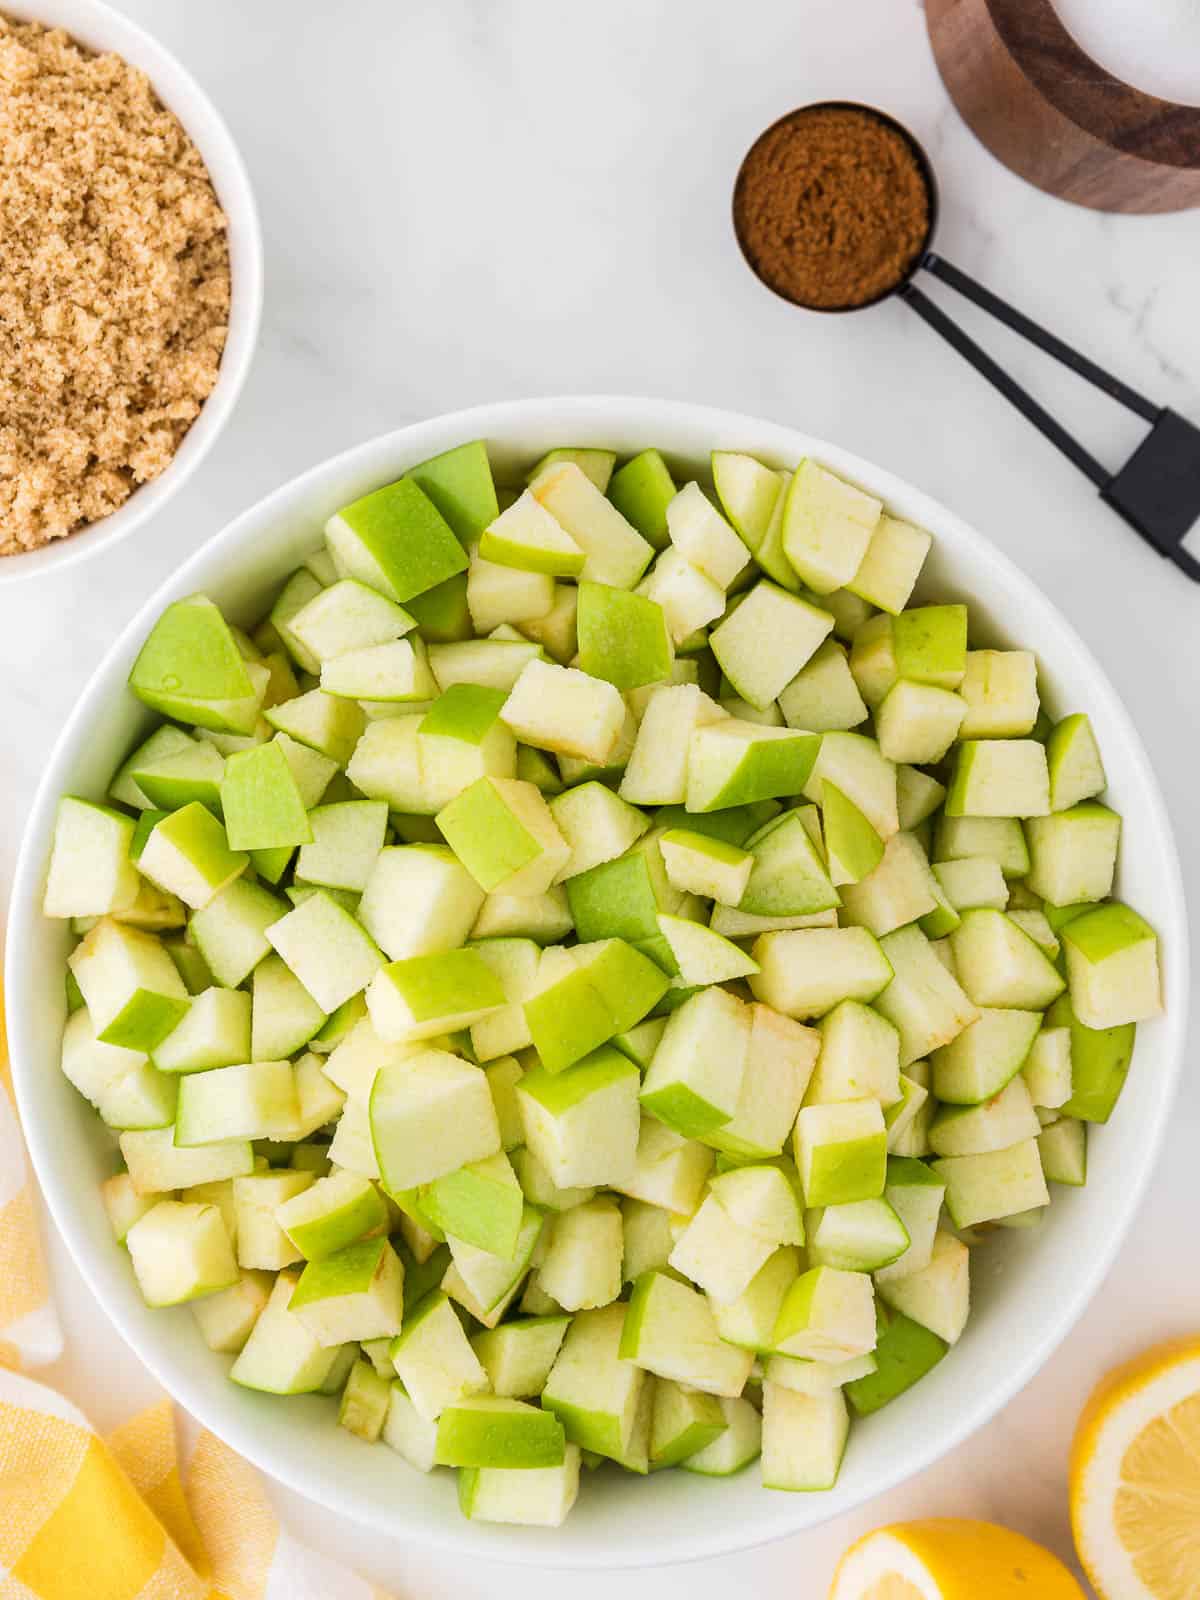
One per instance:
(85, 1518)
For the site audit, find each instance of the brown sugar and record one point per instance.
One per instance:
(832, 207)
(114, 284)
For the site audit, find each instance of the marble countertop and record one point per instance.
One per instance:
(464, 201)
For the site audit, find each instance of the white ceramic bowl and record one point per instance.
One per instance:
(101, 28)
(1029, 1287)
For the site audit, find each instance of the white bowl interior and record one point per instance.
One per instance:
(101, 28)
(1028, 1286)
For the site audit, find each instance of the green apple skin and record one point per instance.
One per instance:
(261, 801)
(494, 1432)
(642, 490)
(904, 1353)
(191, 669)
(1100, 1059)
(406, 540)
(459, 482)
(596, 465)
(623, 637)
(614, 900)
(441, 613)
(930, 644)
(849, 837)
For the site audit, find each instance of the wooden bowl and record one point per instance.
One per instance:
(1054, 116)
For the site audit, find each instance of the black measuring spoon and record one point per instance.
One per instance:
(1157, 491)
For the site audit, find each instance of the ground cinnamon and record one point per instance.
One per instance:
(832, 207)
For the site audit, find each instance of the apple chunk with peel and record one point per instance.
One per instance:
(592, 1389)
(683, 1423)
(990, 1051)
(131, 987)
(282, 1356)
(564, 710)
(1001, 694)
(623, 637)
(582, 1124)
(937, 1295)
(827, 1315)
(827, 527)
(861, 1236)
(597, 825)
(670, 1330)
(395, 540)
(252, 1100)
(188, 854)
(923, 1000)
(424, 996)
(718, 1253)
(733, 763)
(614, 552)
(332, 1213)
(180, 1251)
(355, 1294)
(348, 616)
(803, 1438)
(689, 600)
(460, 739)
(582, 1265)
(764, 643)
(191, 669)
(347, 839)
(841, 1152)
(657, 771)
(481, 1204)
(418, 900)
(856, 766)
(788, 876)
(1073, 853)
(702, 956)
(702, 536)
(859, 1059)
(434, 1360)
(805, 972)
(695, 1078)
(888, 572)
(430, 1115)
(527, 536)
(1073, 759)
(999, 1183)
(998, 964)
(778, 1066)
(1112, 967)
(489, 1431)
(999, 778)
(539, 1497)
(587, 995)
(90, 871)
(697, 863)
(503, 832)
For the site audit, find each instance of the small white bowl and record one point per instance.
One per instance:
(100, 28)
(1029, 1287)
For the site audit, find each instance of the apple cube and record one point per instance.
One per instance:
(937, 1296)
(900, 890)
(803, 1438)
(779, 1063)
(188, 854)
(859, 1059)
(1000, 689)
(346, 840)
(615, 553)
(230, 932)
(527, 536)
(1073, 853)
(841, 1152)
(695, 1079)
(917, 722)
(429, 1116)
(348, 615)
(592, 1390)
(130, 985)
(703, 537)
(702, 956)
(1005, 1119)
(90, 871)
(252, 1100)
(888, 572)
(423, 996)
(381, 672)
(323, 722)
(918, 796)
(283, 1015)
(582, 1265)
(623, 637)
(979, 1062)
(355, 1294)
(582, 1123)
(541, 917)
(999, 778)
(670, 1330)
(179, 1252)
(749, 1321)
(226, 1319)
(642, 490)
(683, 1423)
(805, 972)
(562, 709)
(827, 1315)
(434, 1360)
(531, 1496)
(998, 1183)
(166, 740)
(596, 824)
(853, 849)
(485, 1284)
(733, 763)
(861, 1236)
(668, 1171)
(518, 1356)
(873, 659)
(489, 1431)
(481, 1203)
(1112, 967)
(282, 1356)
(734, 1449)
(332, 1213)
(696, 863)
(923, 1000)
(419, 900)
(503, 832)
(1073, 759)
(394, 540)
(689, 600)
(255, 1198)
(719, 1253)
(930, 645)
(998, 963)
(823, 696)
(855, 765)
(326, 949)
(587, 994)
(190, 669)
(827, 527)
(764, 643)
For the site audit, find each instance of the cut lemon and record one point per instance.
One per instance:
(951, 1558)
(1135, 1478)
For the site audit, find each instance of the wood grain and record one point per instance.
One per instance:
(1058, 118)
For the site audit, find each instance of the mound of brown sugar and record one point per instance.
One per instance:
(832, 207)
(114, 284)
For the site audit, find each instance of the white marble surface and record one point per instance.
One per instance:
(466, 200)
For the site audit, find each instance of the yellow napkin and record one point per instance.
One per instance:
(85, 1518)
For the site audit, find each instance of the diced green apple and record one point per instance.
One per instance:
(191, 669)
(564, 710)
(997, 1184)
(395, 540)
(805, 972)
(827, 527)
(503, 832)
(131, 986)
(90, 873)
(1112, 967)
(1001, 692)
(841, 1152)
(999, 778)
(179, 1252)
(888, 573)
(827, 1315)
(614, 551)
(430, 1115)
(582, 1123)
(670, 1330)
(765, 642)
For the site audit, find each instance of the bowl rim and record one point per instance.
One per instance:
(429, 435)
(99, 26)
